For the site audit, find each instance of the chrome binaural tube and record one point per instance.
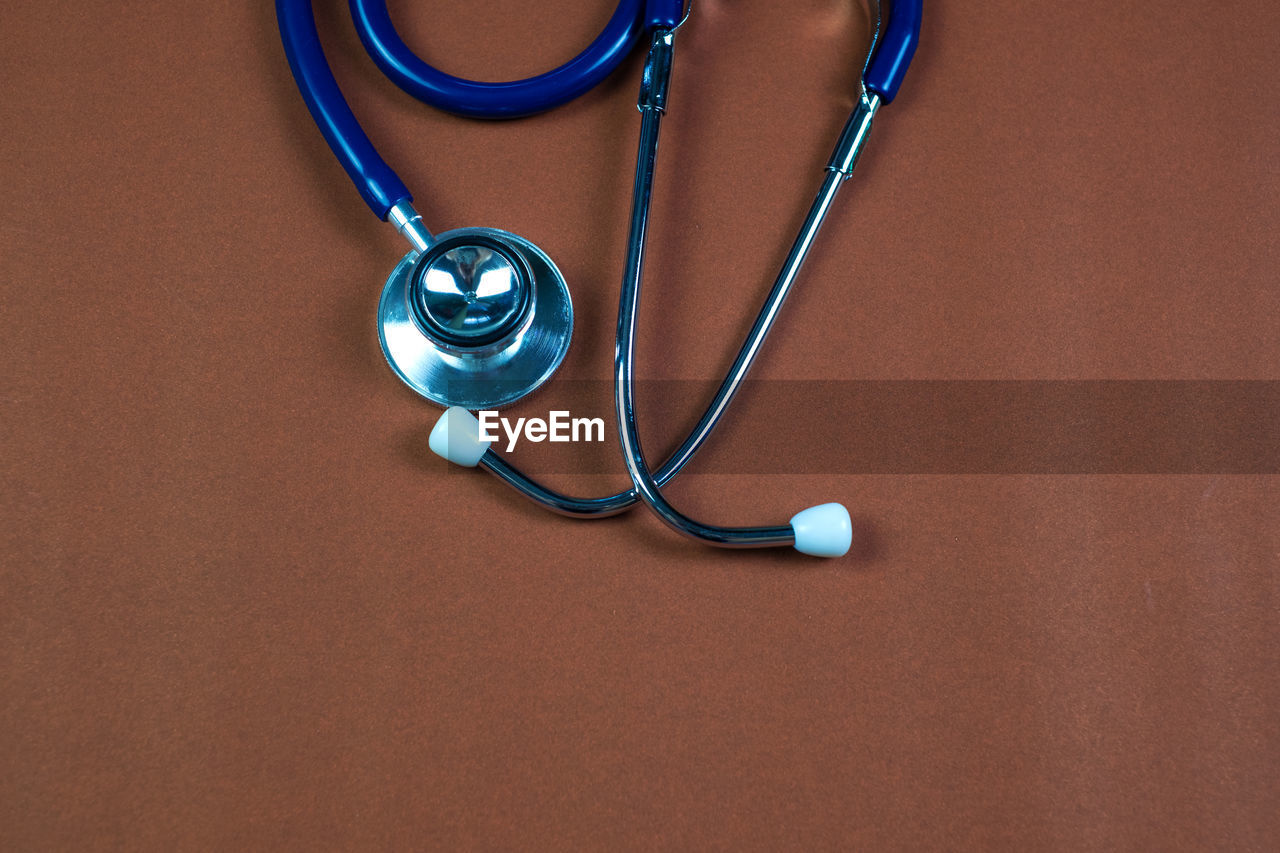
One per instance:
(840, 166)
(628, 306)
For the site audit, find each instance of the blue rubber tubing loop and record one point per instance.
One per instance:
(380, 187)
(378, 184)
(496, 100)
(897, 46)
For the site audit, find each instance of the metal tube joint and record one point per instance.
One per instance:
(409, 224)
(854, 135)
(656, 78)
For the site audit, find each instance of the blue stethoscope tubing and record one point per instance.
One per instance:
(382, 189)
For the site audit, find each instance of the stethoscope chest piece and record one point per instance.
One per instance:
(478, 320)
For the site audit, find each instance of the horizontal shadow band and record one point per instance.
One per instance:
(929, 427)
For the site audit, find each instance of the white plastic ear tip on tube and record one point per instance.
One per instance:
(824, 530)
(456, 437)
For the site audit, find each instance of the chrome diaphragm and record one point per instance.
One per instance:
(479, 319)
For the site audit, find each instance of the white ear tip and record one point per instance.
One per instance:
(824, 530)
(456, 437)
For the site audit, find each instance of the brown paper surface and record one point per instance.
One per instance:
(242, 606)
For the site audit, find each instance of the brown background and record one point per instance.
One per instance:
(242, 606)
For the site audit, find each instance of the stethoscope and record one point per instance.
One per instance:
(476, 318)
